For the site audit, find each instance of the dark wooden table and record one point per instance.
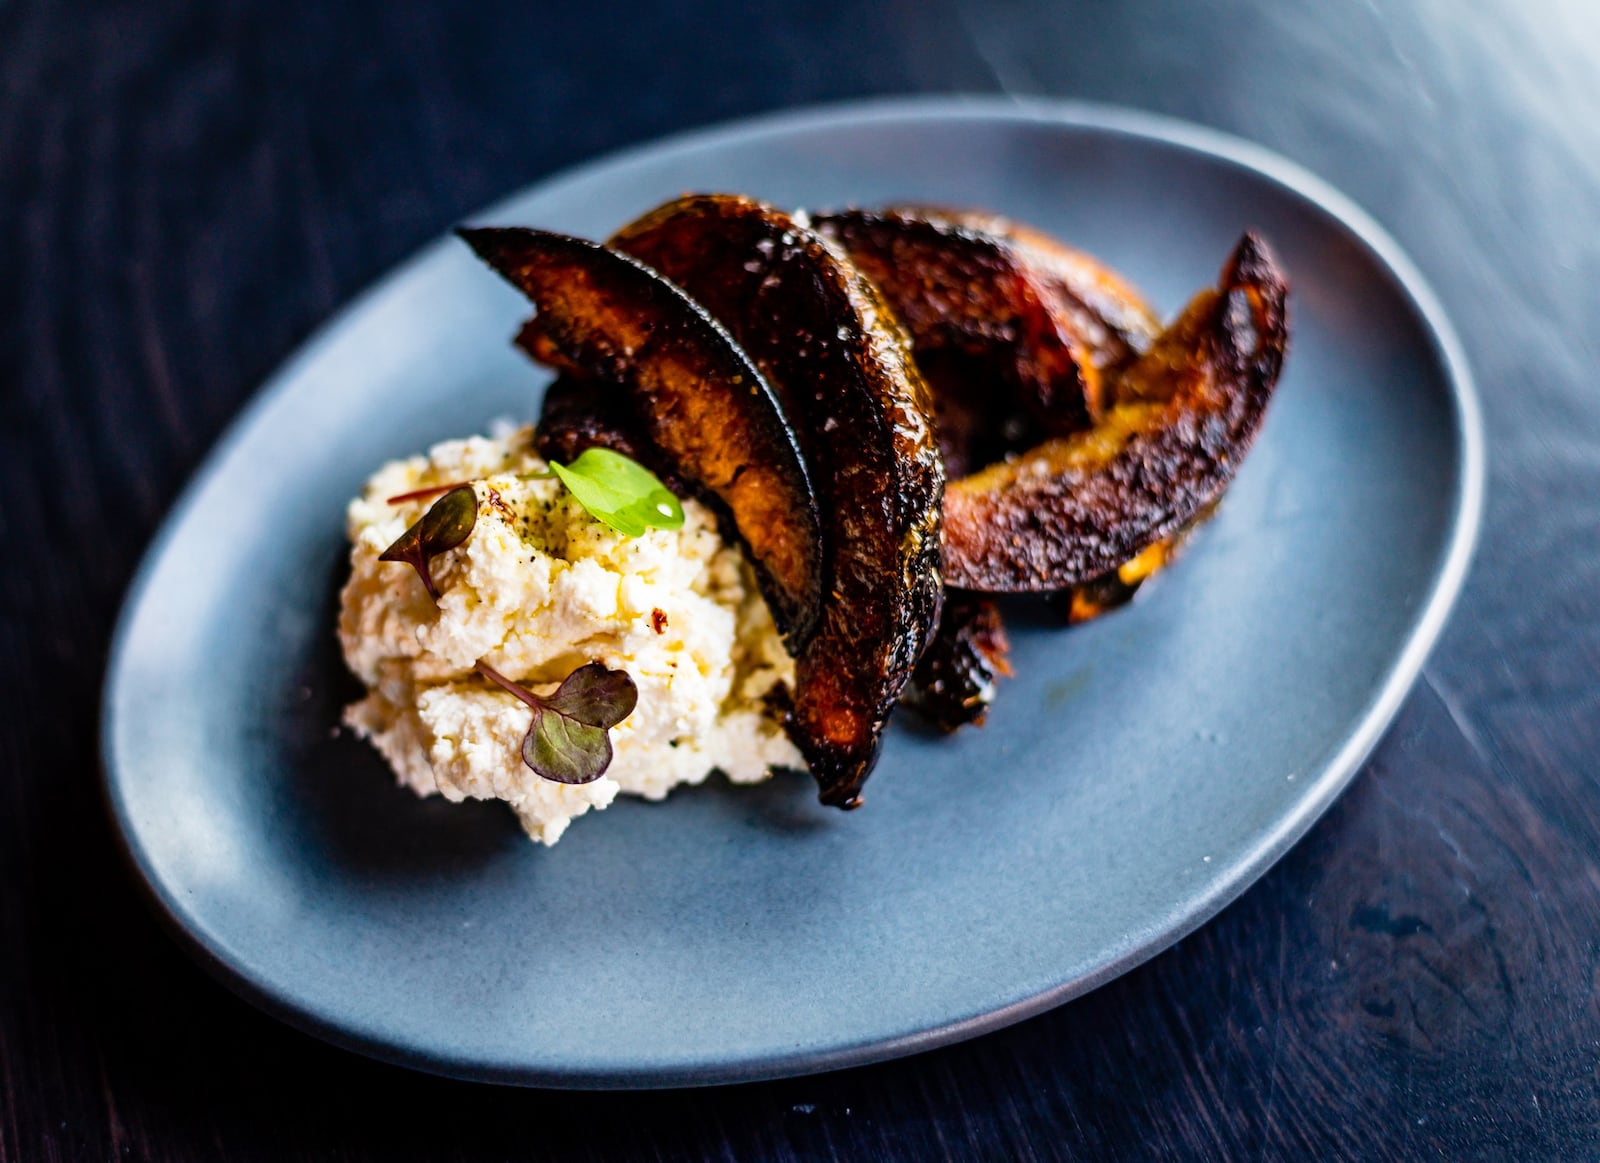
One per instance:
(187, 189)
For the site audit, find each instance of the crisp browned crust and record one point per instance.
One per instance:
(821, 335)
(1071, 509)
(614, 323)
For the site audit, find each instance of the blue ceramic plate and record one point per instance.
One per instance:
(1135, 776)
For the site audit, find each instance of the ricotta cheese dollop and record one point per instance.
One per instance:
(539, 588)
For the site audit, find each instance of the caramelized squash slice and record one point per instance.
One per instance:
(821, 335)
(617, 326)
(1003, 361)
(1074, 508)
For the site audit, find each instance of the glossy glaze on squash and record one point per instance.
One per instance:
(1004, 364)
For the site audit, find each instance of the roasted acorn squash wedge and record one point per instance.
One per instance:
(616, 325)
(821, 335)
(1074, 508)
(1108, 317)
(1003, 361)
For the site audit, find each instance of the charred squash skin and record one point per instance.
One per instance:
(980, 320)
(819, 332)
(615, 324)
(1072, 509)
(1109, 318)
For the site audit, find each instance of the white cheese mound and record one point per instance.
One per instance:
(538, 589)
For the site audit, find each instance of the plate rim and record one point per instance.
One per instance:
(1337, 773)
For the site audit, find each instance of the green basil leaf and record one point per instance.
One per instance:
(620, 491)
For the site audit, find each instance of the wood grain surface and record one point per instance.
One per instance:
(186, 190)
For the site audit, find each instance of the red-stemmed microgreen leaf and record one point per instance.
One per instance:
(596, 696)
(569, 739)
(423, 494)
(565, 750)
(446, 524)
